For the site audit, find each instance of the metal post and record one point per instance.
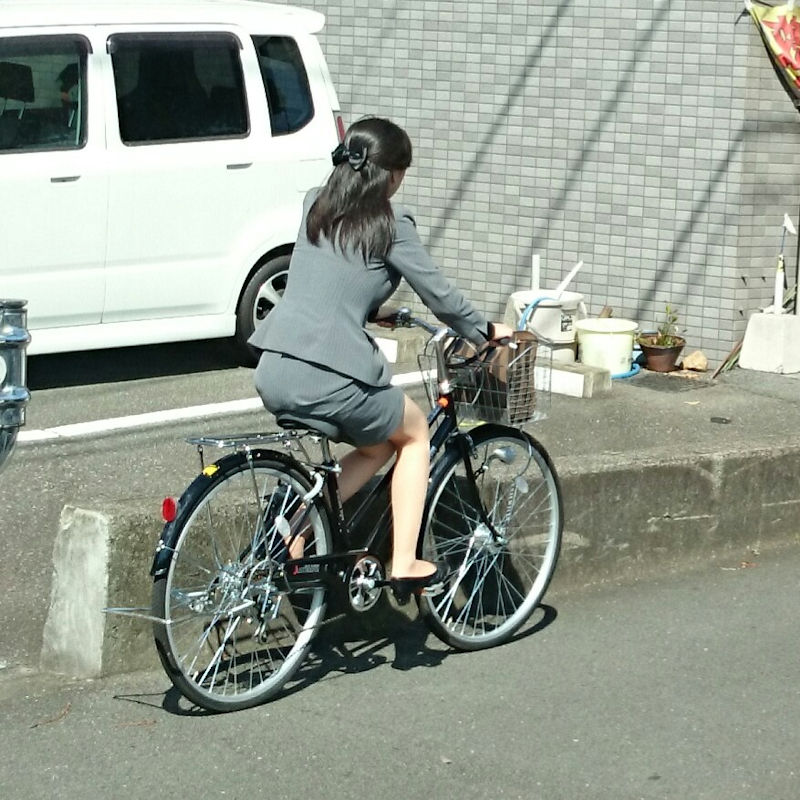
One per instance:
(14, 395)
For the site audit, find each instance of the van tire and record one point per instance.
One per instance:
(260, 295)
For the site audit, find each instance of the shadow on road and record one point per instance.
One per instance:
(348, 647)
(129, 363)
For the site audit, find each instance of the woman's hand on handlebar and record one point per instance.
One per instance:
(385, 316)
(499, 331)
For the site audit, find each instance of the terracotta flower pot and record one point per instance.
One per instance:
(660, 358)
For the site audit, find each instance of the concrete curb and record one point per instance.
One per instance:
(624, 519)
(636, 517)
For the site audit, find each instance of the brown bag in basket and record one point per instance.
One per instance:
(497, 381)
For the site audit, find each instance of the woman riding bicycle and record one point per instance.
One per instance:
(320, 368)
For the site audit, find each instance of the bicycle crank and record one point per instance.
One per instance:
(365, 583)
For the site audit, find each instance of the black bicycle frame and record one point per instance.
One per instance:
(298, 571)
(345, 527)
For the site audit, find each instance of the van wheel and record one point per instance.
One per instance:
(262, 293)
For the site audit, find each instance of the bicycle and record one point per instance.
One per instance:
(235, 616)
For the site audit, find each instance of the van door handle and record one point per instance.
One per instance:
(240, 166)
(65, 179)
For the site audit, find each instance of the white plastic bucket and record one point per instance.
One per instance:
(606, 343)
(552, 319)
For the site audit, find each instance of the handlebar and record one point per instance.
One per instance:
(403, 318)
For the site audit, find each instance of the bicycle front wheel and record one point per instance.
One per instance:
(234, 632)
(499, 534)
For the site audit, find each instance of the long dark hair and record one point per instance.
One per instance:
(353, 208)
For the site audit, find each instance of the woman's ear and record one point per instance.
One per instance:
(395, 179)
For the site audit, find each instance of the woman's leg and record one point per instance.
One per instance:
(409, 485)
(358, 466)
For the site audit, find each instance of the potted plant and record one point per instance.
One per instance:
(661, 349)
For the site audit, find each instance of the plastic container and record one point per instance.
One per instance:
(606, 343)
(553, 319)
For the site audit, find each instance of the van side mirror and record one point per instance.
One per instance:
(14, 395)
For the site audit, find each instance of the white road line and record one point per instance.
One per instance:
(101, 426)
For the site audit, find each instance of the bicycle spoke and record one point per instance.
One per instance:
(238, 631)
(501, 533)
(215, 662)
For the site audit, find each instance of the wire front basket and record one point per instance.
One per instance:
(508, 384)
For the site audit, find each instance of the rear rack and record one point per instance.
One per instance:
(241, 441)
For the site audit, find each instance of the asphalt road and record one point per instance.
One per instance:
(685, 687)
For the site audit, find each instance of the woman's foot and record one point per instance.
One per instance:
(429, 584)
(296, 531)
(296, 543)
(416, 569)
(285, 518)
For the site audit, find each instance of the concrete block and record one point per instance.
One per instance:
(401, 346)
(580, 380)
(771, 343)
(101, 558)
(73, 631)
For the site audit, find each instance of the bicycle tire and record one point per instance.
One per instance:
(233, 632)
(495, 586)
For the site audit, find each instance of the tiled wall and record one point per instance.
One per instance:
(649, 138)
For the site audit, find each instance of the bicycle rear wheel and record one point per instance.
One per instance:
(500, 570)
(234, 630)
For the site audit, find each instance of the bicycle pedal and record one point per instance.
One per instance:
(432, 591)
(404, 598)
(401, 598)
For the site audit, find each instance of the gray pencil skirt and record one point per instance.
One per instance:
(341, 407)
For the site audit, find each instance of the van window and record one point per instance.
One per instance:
(42, 93)
(285, 82)
(178, 87)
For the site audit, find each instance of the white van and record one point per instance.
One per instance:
(153, 160)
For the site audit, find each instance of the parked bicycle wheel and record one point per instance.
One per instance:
(500, 570)
(235, 633)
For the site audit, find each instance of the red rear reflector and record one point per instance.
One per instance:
(339, 126)
(169, 509)
(443, 401)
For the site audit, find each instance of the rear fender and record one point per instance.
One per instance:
(201, 485)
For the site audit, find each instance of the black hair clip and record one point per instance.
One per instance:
(356, 158)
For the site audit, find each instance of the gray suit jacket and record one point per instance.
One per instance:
(330, 294)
